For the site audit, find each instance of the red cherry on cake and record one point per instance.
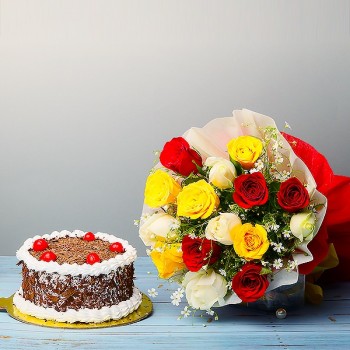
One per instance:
(89, 236)
(92, 258)
(116, 247)
(40, 244)
(48, 256)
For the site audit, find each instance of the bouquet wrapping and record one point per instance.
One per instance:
(231, 211)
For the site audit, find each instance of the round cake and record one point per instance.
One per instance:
(77, 277)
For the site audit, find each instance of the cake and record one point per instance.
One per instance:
(77, 277)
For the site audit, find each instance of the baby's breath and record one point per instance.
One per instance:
(286, 233)
(291, 265)
(277, 264)
(152, 293)
(277, 247)
(286, 125)
(177, 296)
(186, 312)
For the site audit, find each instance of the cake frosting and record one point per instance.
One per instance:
(114, 312)
(103, 267)
(71, 290)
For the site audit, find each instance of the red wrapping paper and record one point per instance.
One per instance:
(336, 225)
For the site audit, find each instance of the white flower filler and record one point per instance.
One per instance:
(152, 292)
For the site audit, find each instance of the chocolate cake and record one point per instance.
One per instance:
(77, 277)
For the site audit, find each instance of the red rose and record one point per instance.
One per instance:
(292, 195)
(198, 252)
(250, 190)
(179, 157)
(249, 284)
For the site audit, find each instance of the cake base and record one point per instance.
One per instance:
(143, 311)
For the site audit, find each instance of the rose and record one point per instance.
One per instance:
(156, 226)
(302, 225)
(197, 200)
(250, 242)
(245, 150)
(292, 195)
(198, 252)
(249, 284)
(222, 172)
(179, 157)
(250, 190)
(160, 189)
(219, 228)
(167, 258)
(204, 288)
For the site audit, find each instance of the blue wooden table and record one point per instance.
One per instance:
(311, 327)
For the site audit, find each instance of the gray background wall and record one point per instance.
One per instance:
(89, 89)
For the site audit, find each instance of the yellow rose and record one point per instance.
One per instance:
(245, 150)
(167, 258)
(250, 242)
(197, 200)
(160, 189)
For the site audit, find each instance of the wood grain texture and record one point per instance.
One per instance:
(326, 326)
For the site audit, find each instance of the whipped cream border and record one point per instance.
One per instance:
(114, 312)
(103, 267)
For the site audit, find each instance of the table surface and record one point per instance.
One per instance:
(323, 326)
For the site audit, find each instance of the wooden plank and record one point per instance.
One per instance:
(169, 340)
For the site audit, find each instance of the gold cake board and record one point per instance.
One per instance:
(143, 311)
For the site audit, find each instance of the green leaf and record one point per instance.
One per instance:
(199, 169)
(238, 167)
(319, 206)
(274, 186)
(265, 271)
(190, 179)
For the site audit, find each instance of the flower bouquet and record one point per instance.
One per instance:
(229, 212)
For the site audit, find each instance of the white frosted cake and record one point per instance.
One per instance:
(77, 277)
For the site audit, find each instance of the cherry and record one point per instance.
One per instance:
(89, 236)
(48, 256)
(40, 244)
(116, 247)
(92, 258)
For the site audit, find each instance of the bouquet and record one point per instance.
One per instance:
(229, 212)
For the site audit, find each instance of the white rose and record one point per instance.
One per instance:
(219, 228)
(204, 288)
(302, 225)
(158, 225)
(222, 172)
